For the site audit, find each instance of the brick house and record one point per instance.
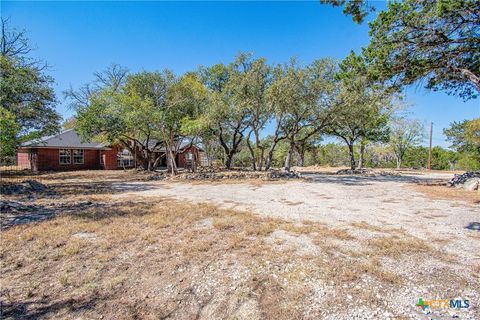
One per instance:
(65, 151)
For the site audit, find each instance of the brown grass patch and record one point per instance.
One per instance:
(367, 226)
(443, 192)
(395, 247)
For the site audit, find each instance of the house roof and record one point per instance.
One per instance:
(65, 139)
(71, 139)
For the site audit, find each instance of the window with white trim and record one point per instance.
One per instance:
(65, 157)
(78, 157)
(125, 159)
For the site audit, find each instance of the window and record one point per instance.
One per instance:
(124, 159)
(78, 156)
(65, 156)
(189, 156)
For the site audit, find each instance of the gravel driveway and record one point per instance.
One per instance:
(383, 201)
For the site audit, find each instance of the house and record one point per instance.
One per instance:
(66, 151)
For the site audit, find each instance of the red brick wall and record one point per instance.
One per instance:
(48, 159)
(110, 158)
(23, 160)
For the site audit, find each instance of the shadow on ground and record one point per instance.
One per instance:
(360, 180)
(35, 309)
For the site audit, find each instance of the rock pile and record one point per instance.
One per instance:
(469, 180)
(354, 171)
(237, 175)
(27, 186)
(368, 172)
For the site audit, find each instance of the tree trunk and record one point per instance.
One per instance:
(399, 162)
(171, 163)
(228, 160)
(360, 159)
(288, 159)
(261, 155)
(300, 154)
(268, 161)
(157, 160)
(252, 152)
(352, 156)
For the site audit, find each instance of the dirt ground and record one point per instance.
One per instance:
(118, 246)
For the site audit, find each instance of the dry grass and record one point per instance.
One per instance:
(150, 258)
(386, 230)
(395, 246)
(113, 255)
(441, 192)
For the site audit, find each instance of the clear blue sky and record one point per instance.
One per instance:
(79, 38)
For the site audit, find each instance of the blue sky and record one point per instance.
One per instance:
(79, 38)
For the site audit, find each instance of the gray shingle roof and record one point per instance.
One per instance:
(65, 139)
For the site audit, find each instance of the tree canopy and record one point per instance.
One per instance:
(365, 106)
(25, 89)
(437, 42)
(357, 9)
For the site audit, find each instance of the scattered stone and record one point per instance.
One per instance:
(212, 175)
(471, 184)
(155, 176)
(459, 179)
(367, 172)
(354, 171)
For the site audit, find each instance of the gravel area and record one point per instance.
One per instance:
(370, 208)
(383, 201)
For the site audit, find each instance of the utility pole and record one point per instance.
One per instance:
(429, 165)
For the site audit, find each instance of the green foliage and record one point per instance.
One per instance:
(404, 133)
(145, 111)
(9, 129)
(333, 155)
(248, 84)
(443, 159)
(415, 157)
(225, 116)
(26, 91)
(467, 161)
(303, 101)
(358, 9)
(435, 41)
(365, 106)
(464, 135)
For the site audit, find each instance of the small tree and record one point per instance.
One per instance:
(464, 137)
(249, 82)
(222, 117)
(304, 102)
(404, 134)
(365, 106)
